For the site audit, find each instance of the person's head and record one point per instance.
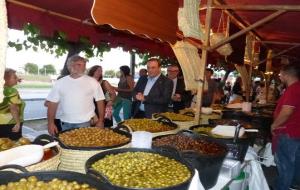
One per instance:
(125, 70)
(208, 73)
(228, 83)
(143, 72)
(76, 65)
(290, 73)
(153, 67)
(10, 77)
(96, 72)
(173, 71)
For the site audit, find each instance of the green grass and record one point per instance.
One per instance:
(40, 78)
(37, 86)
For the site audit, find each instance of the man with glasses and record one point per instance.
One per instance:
(179, 95)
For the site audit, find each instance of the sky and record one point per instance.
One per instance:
(17, 59)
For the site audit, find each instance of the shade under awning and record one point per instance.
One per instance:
(156, 19)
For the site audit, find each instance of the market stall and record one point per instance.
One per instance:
(158, 30)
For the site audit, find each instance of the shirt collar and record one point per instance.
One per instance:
(154, 78)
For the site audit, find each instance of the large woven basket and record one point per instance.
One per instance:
(46, 165)
(74, 160)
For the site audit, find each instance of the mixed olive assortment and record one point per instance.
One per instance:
(6, 143)
(33, 183)
(92, 137)
(177, 117)
(147, 125)
(142, 170)
(185, 143)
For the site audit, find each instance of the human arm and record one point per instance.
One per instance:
(51, 112)
(111, 91)
(162, 94)
(15, 112)
(101, 112)
(283, 116)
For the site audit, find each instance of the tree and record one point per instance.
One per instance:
(31, 68)
(109, 73)
(48, 69)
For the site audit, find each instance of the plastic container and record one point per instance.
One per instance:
(141, 139)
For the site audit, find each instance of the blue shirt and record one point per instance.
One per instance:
(151, 81)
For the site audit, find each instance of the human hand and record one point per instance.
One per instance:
(16, 128)
(109, 103)
(176, 97)
(99, 124)
(52, 129)
(140, 96)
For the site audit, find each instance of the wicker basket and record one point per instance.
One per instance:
(74, 160)
(46, 165)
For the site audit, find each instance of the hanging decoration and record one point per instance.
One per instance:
(189, 59)
(252, 51)
(188, 19)
(219, 36)
(3, 44)
(245, 77)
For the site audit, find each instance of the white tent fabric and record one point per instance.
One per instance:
(188, 19)
(189, 60)
(3, 44)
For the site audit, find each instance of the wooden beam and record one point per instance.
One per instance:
(237, 21)
(203, 62)
(50, 12)
(280, 53)
(258, 7)
(280, 43)
(190, 40)
(245, 30)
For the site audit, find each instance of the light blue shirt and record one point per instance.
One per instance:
(151, 81)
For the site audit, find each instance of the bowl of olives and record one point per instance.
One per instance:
(43, 180)
(136, 168)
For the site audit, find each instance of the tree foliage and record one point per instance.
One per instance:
(165, 61)
(58, 44)
(109, 73)
(48, 69)
(31, 68)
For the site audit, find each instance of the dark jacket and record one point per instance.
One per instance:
(158, 98)
(185, 96)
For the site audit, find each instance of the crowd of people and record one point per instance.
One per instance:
(81, 100)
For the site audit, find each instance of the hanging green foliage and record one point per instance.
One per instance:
(58, 44)
(165, 61)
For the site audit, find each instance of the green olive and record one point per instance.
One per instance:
(142, 170)
(33, 183)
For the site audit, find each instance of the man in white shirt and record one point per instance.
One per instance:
(75, 94)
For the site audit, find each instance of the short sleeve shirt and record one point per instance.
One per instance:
(76, 98)
(11, 96)
(291, 97)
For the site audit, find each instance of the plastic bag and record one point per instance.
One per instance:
(257, 180)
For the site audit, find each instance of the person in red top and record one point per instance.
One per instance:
(286, 128)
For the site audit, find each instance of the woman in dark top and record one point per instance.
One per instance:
(109, 93)
(124, 97)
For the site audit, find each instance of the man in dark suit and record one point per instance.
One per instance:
(180, 96)
(152, 94)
